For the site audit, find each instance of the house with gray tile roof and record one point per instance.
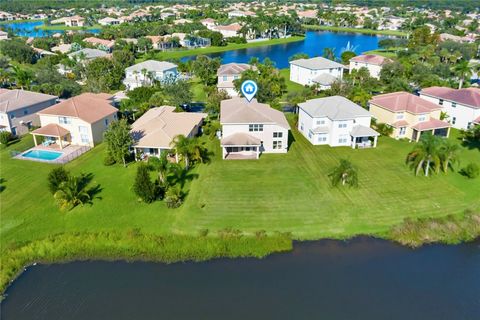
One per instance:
(18, 109)
(315, 71)
(336, 121)
(146, 72)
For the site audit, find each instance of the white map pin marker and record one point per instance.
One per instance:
(249, 89)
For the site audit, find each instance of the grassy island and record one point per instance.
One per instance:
(233, 208)
(55, 27)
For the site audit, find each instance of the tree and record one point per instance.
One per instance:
(346, 56)
(463, 71)
(56, 177)
(18, 51)
(103, 75)
(156, 99)
(345, 173)
(144, 44)
(425, 154)
(162, 165)
(118, 140)
(329, 53)
(178, 92)
(72, 193)
(298, 56)
(213, 101)
(421, 37)
(174, 197)
(449, 152)
(182, 146)
(5, 137)
(471, 171)
(206, 69)
(23, 77)
(143, 186)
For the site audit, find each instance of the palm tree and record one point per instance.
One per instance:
(344, 173)
(72, 193)
(162, 165)
(449, 154)
(329, 53)
(463, 70)
(182, 146)
(425, 152)
(23, 78)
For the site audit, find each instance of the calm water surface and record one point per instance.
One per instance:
(313, 45)
(359, 279)
(28, 29)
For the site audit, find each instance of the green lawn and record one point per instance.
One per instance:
(387, 53)
(180, 53)
(288, 192)
(356, 30)
(63, 27)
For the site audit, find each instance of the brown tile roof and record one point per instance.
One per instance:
(477, 121)
(431, 124)
(158, 126)
(239, 110)
(51, 129)
(467, 96)
(11, 100)
(98, 41)
(234, 68)
(230, 27)
(89, 107)
(371, 59)
(401, 123)
(240, 139)
(404, 101)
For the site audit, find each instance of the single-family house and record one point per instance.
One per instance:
(461, 105)
(154, 131)
(372, 62)
(316, 71)
(88, 54)
(209, 23)
(108, 21)
(240, 14)
(102, 44)
(229, 72)
(62, 48)
(228, 31)
(146, 72)
(251, 128)
(73, 21)
(3, 35)
(80, 120)
(409, 115)
(336, 121)
(18, 109)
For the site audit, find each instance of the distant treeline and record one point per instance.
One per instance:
(26, 6)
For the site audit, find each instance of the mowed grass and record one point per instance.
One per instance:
(287, 193)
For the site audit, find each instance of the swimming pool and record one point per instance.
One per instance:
(42, 155)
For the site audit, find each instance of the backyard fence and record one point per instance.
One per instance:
(69, 157)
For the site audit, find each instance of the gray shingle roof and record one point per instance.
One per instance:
(334, 108)
(152, 65)
(89, 53)
(324, 79)
(316, 63)
(362, 131)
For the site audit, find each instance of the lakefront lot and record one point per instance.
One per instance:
(287, 193)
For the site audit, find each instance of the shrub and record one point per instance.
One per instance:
(143, 187)
(5, 137)
(173, 197)
(384, 129)
(56, 177)
(471, 171)
(108, 160)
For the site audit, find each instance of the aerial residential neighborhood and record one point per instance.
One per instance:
(321, 155)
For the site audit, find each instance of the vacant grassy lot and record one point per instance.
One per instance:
(277, 193)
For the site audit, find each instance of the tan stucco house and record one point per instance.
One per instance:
(409, 115)
(80, 120)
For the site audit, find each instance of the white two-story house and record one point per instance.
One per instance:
(461, 105)
(251, 128)
(229, 72)
(316, 71)
(18, 109)
(80, 120)
(145, 73)
(374, 64)
(336, 121)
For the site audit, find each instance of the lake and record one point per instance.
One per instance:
(28, 29)
(359, 279)
(313, 45)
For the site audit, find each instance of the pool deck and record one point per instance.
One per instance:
(68, 153)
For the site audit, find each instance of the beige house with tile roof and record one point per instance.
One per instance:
(229, 72)
(251, 128)
(154, 131)
(373, 62)
(80, 120)
(409, 115)
(18, 109)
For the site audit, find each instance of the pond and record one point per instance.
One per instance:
(313, 45)
(29, 29)
(359, 279)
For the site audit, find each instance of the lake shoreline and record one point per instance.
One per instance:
(356, 30)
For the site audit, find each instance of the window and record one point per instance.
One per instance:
(454, 119)
(399, 116)
(278, 134)
(440, 102)
(255, 127)
(235, 77)
(469, 125)
(14, 131)
(84, 138)
(422, 118)
(342, 140)
(356, 64)
(224, 78)
(25, 112)
(322, 138)
(342, 125)
(64, 120)
(106, 122)
(277, 144)
(454, 104)
(83, 129)
(330, 70)
(12, 116)
(29, 125)
(320, 122)
(301, 126)
(402, 131)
